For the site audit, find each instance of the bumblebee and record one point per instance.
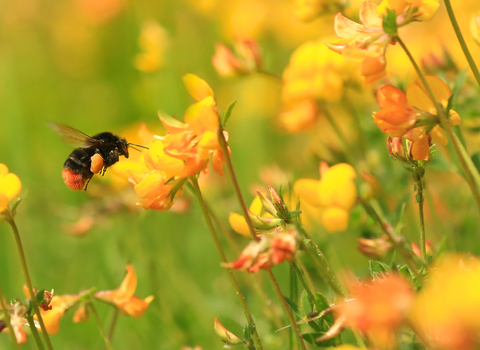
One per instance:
(93, 155)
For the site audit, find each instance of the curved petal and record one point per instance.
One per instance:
(417, 95)
(368, 15)
(197, 87)
(346, 28)
(238, 224)
(129, 283)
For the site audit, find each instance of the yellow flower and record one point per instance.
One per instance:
(307, 10)
(335, 194)
(124, 299)
(299, 117)
(237, 221)
(153, 41)
(10, 187)
(446, 311)
(314, 72)
(422, 10)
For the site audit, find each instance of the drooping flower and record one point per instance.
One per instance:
(10, 187)
(335, 194)
(123, 298)
(52, 317)
(378, 309)
(245, 60)
(153, 42)
(446, 308)
(268, 252)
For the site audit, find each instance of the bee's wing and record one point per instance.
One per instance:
(73, 137)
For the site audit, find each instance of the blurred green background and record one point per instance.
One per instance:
(72, 62)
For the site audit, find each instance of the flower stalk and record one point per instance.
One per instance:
(462, 42)
(420, 200)
(223, 259)
(471, 172)
(108, 345)
(35, 334)
(23, 261)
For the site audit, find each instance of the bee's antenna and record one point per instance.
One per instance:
(133, 144)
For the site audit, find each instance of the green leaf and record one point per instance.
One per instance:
(247, 333)
(228, 112)
(390, 22)
(377, 268)
(294, 307)
(307, 304)
(14, 205)
(294, 213)
(476, 160)
(310, 338)
(40, 296)
(321, 303)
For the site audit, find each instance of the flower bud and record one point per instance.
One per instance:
(396, 148)
(375, 248)
(47, 298)
(225, 335)
(428, 248)
(267, 204)
(262, 224)
(280, 206)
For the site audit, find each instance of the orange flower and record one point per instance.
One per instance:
(396, 116)
(366, 42)
(299, 117)
(378, 309)
(268, 252)
(10, 187)
(246, 60)
(124, 299)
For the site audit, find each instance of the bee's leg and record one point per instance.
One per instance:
(104, 170)
(86, 185)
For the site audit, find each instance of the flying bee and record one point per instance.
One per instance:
(93, 154)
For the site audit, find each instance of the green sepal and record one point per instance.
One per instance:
(390, 22)
(228, 112)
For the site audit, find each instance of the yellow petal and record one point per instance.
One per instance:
(10, 186)
(335, 219)
(3, 203)
(439, 135)
(309, 191)
(238, 224)
(3, 169)
(417, 95)
(256, 206)
(197, 87)
(150, 186)
(202, 116)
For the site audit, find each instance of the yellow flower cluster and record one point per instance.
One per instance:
(10, 187)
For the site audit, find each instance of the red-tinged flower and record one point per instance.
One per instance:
(47, 299)
(17, 321)
(375, 248)
(378, 309)
(82, 314)
(268, 252)
(123, 298)
(428, 248)
(396, 116)
(245, 60)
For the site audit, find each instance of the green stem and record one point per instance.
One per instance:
(100, 326)
(294, 297)
(238, 193)
(325, 270)
(23, 261)
(388, 230)
(471, 172)
(301, 276)
(113, 324)
(223, 259)
(233, 178)
(35, 334)
(420, 201)
(462, 42)
(338, 132)
(287, 310)
(6, 318)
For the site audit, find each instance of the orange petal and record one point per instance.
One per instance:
(135, 306)
(151, 185)
(197, 87)
(420, 149)
(417, 95)
(129, 284)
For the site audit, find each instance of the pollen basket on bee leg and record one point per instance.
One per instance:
(73, 180)
(96, 163)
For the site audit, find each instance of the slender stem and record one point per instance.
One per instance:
(294, 297)
(223, 258)
(301, 276)
(338, 132)
(325, 270)
(6, 318)
(462, 42)
(100, 326)
(35, 334)
(23, 261)
(420, 201)
(388, 229)
(236, 187)
(306, 273)
(471, 172)
(113, 324)
(287, 310)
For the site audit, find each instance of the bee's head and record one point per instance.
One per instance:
(123, 147)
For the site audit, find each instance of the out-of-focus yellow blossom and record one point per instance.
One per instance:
(245, 60)
(422, 10)
(306, 10)
(335, 194)
(366, 42)
(153, 42)
(300, 116)
(446, 310)
(10, 187)
(475, 28)
(237, 221)
(314, 72)
(99, 11)
(378, 309)
(124, 299)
